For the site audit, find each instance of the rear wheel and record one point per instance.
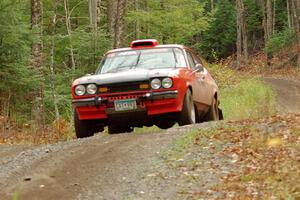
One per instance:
(85, 128)
(188, 112)
(116, 129)
(213, 112)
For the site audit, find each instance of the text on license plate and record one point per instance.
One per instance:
(127, 104)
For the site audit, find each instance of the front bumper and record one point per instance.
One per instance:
(151, 103)
(150, 96)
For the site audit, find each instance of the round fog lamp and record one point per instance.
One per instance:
(79, 90)
(155, 84)
(167, 83)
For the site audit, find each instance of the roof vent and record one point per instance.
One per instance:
(143, 43)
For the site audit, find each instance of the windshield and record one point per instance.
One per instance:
(143, 59)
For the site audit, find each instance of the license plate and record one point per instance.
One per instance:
(124, 105)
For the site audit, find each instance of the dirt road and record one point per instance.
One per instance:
(107, 166)
(287, 94)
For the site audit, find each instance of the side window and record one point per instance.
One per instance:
(191, 60)
(197, 59)
(180, 58)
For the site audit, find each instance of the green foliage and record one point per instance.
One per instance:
(88, 48)
(219, 39)
(279, 41)
(254, 18)
(248, 99)
(175, 21)
(14, 56)
(281, 15)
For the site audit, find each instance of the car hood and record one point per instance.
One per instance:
(126, 76)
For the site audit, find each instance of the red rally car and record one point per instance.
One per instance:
(144, 85)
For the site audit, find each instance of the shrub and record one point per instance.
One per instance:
(279, 41)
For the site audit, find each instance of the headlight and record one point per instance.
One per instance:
(167, 83)
(80, 90)
(155, 84)
(91, 89)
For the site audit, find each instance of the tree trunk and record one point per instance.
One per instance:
(93, 13)
(289, 14)
(274, 17)
(52, 72)
(120, 23)
(269, 19)
(239, 32)
(137, 25)
(264, 11)
(37, 62)
(148, 29)
(242, 35)
(212, 4)
(295, 10)
(244, 31)
(69, 31)
(111, 16)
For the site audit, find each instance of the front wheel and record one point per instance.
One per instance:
(188, 112)
(82, 128)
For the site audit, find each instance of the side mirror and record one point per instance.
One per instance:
(199, 67)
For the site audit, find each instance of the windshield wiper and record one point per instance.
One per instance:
(138, 59)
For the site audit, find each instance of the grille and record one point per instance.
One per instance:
(125, 87)
(123, 97)
(111, 100)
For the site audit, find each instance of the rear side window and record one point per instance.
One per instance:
(197, 60)
(192, 63)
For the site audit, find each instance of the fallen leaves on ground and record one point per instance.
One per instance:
(250, 159)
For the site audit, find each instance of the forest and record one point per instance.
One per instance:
(45, 44)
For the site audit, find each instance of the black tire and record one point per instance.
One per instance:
(116, 129)
(164, 124)
(213, 112)
(188, 112)
(83, 128)
(198, 114)
(221, 116)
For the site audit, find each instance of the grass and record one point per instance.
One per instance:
(248, 99)
(243, 97)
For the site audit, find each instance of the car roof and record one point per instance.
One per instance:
(152, 47)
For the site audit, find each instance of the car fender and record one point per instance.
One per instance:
(182, 87)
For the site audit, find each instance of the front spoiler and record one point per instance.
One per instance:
(150, 96)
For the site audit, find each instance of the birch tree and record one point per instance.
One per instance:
(69, 31)
(94, 15)
(52, 72)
